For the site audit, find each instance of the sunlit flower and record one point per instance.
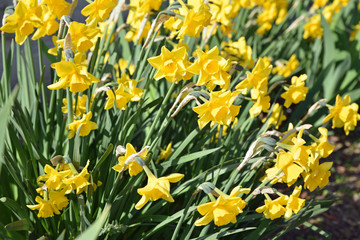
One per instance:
(73, 75)
(49, 25)
(171, 65)
(274, 208)
(132, 165)
(212, 69)
(286, 68)
(196, 19)
(78, 182)
(157, 188)
(318, 176)
(343, 114)
(58, 7)
(219, 109)
(53, 178)
(313, 28)
(58, 199)
(296, 92)
(223, 210)
(277, 116)
(86, 126)
(83, 37)
(165, 154)
(294, 204)
(98, 10)
(323, 147)
(46, 209)
(23, 21)
(80, 107)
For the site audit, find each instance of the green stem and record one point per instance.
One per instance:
(157, 117)
(178, 226)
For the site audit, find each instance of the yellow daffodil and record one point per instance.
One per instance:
(171, 65)
(239, 51)
(196, 19)
(80, 107)
(73, 75)
(262, 104)
(120, 98)
(343, 114)
(45, 207)
(274, 208)
(58, 7)
(318, 176)
(223, 210)
(219, 109)
(83, 37)
(23, 21)
(165, 154)
(53, 178)
(78, 182)
(58, 199)
(296, 92)
(323, 147)
(157, 188)
(319, 4)
(285, 69)
(257, 80)
(277, 116)
(86, 126)
(295, 204)
(128, 161)
(285, 162)
(313, 28)
(354, 32)
(98, 10)
(212, 69)
(49, 25)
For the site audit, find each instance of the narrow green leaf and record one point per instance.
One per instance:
(93, 231)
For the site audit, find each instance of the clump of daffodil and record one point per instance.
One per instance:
(98, 10)
(85, 125)
(56, 183)
(125, 92)
(212, 69)
(296, 92)
(127, 162)
(58, 7)
(257, 83)
(219, 109)
(79, 105)
(286, 68)
(157, 188)
(78, 181)
(83, 37)
(273, 11)
(171, 65)
(319, 4)
(313, 28)
(73, 75)
(195, 18)
(45, 207)
(277, 116)
(25, 18)
(224, 210)
(283, 205)
(49, 25)
(239, 51)
(138, 18)
(343, 114)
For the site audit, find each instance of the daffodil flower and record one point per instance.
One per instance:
(157, 188)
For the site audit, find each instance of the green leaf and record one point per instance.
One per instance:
(188, 158)
(20, 225)
(5, 114)
(93, 231)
